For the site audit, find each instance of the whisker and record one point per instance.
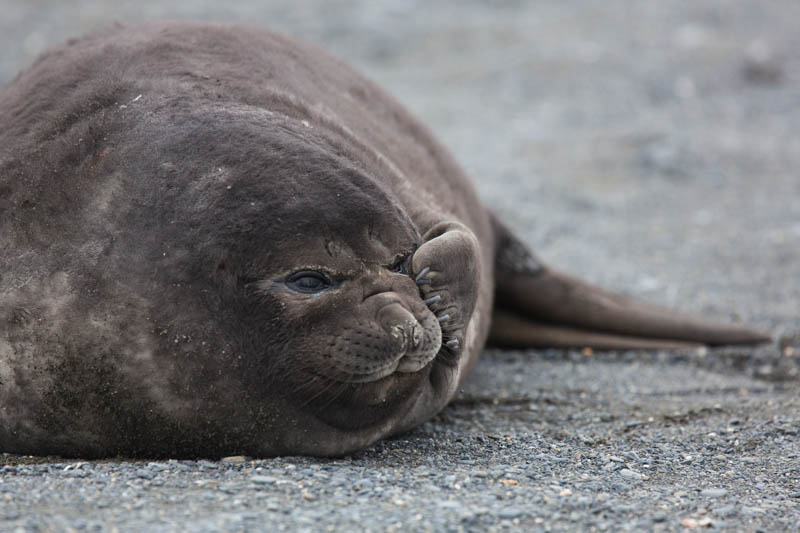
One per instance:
(343, 387)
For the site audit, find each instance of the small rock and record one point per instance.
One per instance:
(145, 474)
(619, 487)
(363, 484)
(264, 480)
(449, 504)
(759, 64)
(509, 513)
(713, 493)
(234, 459)
(725, 511)
(631, 474)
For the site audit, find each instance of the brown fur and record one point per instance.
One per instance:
(159, 187)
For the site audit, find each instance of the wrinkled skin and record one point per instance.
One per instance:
(262, 254)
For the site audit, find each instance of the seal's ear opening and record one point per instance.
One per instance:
(536, 306)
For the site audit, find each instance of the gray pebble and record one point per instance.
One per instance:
(363, 484)
(264, 480)
(234, 459)
(631, 474)
(713, 493)
(510, 513)
(145, 474)
(724, 511)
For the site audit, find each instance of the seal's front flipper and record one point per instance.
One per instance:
(536, 306)
(446, 268)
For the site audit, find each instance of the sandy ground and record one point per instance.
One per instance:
(650, 147)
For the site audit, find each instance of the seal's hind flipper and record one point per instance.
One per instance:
(537, 306)
(511, 330)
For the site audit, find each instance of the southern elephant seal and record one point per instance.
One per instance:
(218, 241)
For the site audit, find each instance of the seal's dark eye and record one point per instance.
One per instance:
(308, 281)
(400, 266)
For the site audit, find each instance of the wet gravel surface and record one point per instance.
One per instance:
(652, 148)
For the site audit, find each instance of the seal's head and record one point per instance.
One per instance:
(341, 306)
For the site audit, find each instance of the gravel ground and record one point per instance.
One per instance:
(650, 147)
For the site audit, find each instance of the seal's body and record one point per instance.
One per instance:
(219, 241)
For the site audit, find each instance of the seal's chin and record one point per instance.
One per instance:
(358, 402)
(409, 365)
(365, 404)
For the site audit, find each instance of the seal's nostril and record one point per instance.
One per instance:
(416, 336)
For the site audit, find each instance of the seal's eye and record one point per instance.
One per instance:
(400, 266)
(308, 281)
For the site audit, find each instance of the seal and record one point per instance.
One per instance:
(216, 241)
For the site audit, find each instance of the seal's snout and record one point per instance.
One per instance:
(401, 325)
(414, 344)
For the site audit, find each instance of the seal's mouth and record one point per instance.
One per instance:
(380, 391)
(358, 406)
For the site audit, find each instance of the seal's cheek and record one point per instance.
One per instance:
(447, 269)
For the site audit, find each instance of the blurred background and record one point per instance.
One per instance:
(651, 147)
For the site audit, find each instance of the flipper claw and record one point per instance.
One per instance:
(420, 277)
(432, 300)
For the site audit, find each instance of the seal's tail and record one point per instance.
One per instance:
(536, 306)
